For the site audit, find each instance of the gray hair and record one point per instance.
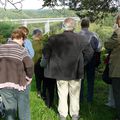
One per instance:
(69, 24)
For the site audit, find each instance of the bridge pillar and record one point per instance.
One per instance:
(24, 23)
(47, 27)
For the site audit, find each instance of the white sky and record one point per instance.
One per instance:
(32, 4)
(26, 4)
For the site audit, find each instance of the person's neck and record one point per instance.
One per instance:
(17, 41)
(85, 28)
(68, 31)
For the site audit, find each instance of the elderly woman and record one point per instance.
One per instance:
(113, 44)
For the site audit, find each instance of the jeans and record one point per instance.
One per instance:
(90, 73)
(10, 99)
(24, 104)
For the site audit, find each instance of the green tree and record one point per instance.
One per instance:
(5, 32)
(94, 9)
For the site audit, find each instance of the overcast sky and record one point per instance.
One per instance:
(32, 4)
(26, 4)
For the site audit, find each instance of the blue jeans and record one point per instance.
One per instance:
(90, 74)
(10, 99)
(24, 104)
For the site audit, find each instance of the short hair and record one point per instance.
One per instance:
(69, 24)
(17, 34)
(85, 23)
(37, 34)
(24, 29)
(36, 31)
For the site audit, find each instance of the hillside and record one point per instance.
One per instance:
(25, 14)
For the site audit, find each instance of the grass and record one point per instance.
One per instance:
(95, 111)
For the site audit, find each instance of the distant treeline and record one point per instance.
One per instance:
(25, 14)
(40, 13)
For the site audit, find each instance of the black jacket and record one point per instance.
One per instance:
(66, 54)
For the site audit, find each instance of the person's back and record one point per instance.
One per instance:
(66, 50)
(91, 37)
(12, 56)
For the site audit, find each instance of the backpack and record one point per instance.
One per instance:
(97, 54)
(94, 42)
(105, 75)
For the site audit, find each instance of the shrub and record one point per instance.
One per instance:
(6, 29)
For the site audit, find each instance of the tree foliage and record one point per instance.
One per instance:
(94, 9)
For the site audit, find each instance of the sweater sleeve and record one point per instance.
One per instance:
(113, 42)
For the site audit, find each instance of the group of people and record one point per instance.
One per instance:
(67, 57)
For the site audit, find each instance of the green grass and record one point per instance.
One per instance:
(95, 111)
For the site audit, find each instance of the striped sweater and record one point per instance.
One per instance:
(16, 67)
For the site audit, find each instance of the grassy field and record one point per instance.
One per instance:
(95, 111)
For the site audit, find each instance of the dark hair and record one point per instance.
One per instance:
(85, 23)
(17, 34)
(37, 34)
(36, 31)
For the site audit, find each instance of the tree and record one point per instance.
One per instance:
(17, 4)
(94, 9)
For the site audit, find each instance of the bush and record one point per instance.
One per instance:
(6, 29)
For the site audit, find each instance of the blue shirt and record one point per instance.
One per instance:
(29, 47)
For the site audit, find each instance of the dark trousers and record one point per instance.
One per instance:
(49, 91)
(46, 86)
(39, 75)
(116, 94)
(90, 76)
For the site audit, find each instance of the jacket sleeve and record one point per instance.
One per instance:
(113, 42)
(47, 49)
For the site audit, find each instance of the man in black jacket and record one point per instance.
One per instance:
(66, 54)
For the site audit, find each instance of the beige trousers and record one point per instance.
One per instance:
(71, 87)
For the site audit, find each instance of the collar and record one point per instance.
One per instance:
(84, 29)
(66, 31)
(10, 41)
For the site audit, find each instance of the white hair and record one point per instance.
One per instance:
(69, 24)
